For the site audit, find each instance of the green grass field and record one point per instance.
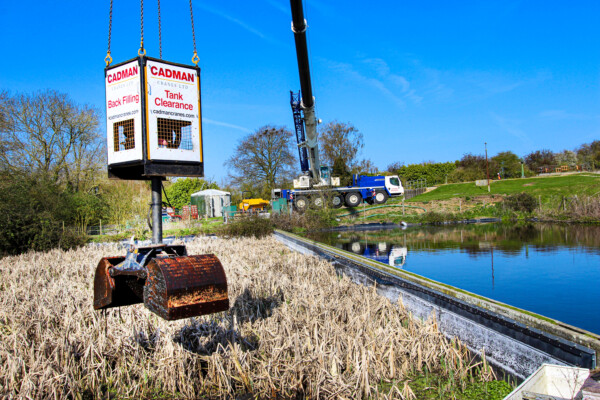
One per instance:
(546, 187)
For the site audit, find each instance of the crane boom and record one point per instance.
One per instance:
(307, 101)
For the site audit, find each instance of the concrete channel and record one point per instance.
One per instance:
(513, 340)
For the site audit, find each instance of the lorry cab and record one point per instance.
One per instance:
(393, 185)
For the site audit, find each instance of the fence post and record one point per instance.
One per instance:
(100, 227)
(364, 210)
(460, 207)
(402, 206)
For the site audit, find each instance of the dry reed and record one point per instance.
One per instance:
(295, 329)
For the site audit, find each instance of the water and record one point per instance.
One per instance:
(552, 270)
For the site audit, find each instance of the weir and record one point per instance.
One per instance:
(513, 340)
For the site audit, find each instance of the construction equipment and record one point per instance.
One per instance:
(252, 205)
(303, 107)
(316, 186)
(147, 140)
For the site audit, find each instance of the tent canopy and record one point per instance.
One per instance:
(211, 192)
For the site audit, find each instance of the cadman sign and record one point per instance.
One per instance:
(153, 119)
(124, 113)
(173, 112)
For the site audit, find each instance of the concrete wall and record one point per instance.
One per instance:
(511, 340)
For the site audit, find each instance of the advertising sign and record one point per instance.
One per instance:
(173, 102)
(124, 113)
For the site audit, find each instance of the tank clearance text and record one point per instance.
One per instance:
(173, 104)
(119, 75)
(125, 100)
(167, 73)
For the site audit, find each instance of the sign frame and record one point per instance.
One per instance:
(150, 159)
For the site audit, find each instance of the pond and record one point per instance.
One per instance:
(549, 269)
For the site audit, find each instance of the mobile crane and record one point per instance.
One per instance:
(316, 183)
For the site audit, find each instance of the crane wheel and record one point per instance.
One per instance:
(301, 203)
(318, 202)
(353, 199)
(337, 201)
(381, 197)
(357, 247)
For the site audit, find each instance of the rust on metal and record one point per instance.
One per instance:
(115, 291)
(183, 287)
(169, 283)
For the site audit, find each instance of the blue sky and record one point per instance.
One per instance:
(423, 80)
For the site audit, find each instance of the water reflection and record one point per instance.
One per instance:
(550, 269)
(384, 252)
(476, 239)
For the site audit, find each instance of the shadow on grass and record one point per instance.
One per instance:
(204, 337)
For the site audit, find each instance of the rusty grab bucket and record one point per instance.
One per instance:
(170, 283)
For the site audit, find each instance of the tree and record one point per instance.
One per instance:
(470, 167)
(474, 162)
(33, 214)
(47, 133)
(566, 157)
(180, 192)
(394, 167)
(507, 163)
(340, 140)
(433, 173)
(340, 169)
(589, 154)
(126, 200)
(263, 159)
(540, 159)
(365, 167)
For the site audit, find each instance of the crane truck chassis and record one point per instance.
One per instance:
(370, 189)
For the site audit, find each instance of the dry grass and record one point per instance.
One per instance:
(294, 328)
(584, 207)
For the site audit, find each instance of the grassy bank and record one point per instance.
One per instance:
(295, 329)
(573, 198)
(546, 187)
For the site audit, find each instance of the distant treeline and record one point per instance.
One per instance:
(505, 164)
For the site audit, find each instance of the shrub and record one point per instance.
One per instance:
(435, 218)
(35, 214)
(248, 226)
(524, 202)
(311, 220)
(433, 173)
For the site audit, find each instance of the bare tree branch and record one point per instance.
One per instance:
(263, 159)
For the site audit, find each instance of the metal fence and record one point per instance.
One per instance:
(140, 226)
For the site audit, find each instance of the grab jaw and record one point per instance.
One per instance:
(170, 283)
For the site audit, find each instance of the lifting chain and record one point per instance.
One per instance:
(108, 58)
(159, 33)
(195, 58)
(142, 51)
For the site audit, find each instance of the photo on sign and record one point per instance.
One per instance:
(124, 135)
(174, 134)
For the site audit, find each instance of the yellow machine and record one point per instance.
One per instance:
(252, 205)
